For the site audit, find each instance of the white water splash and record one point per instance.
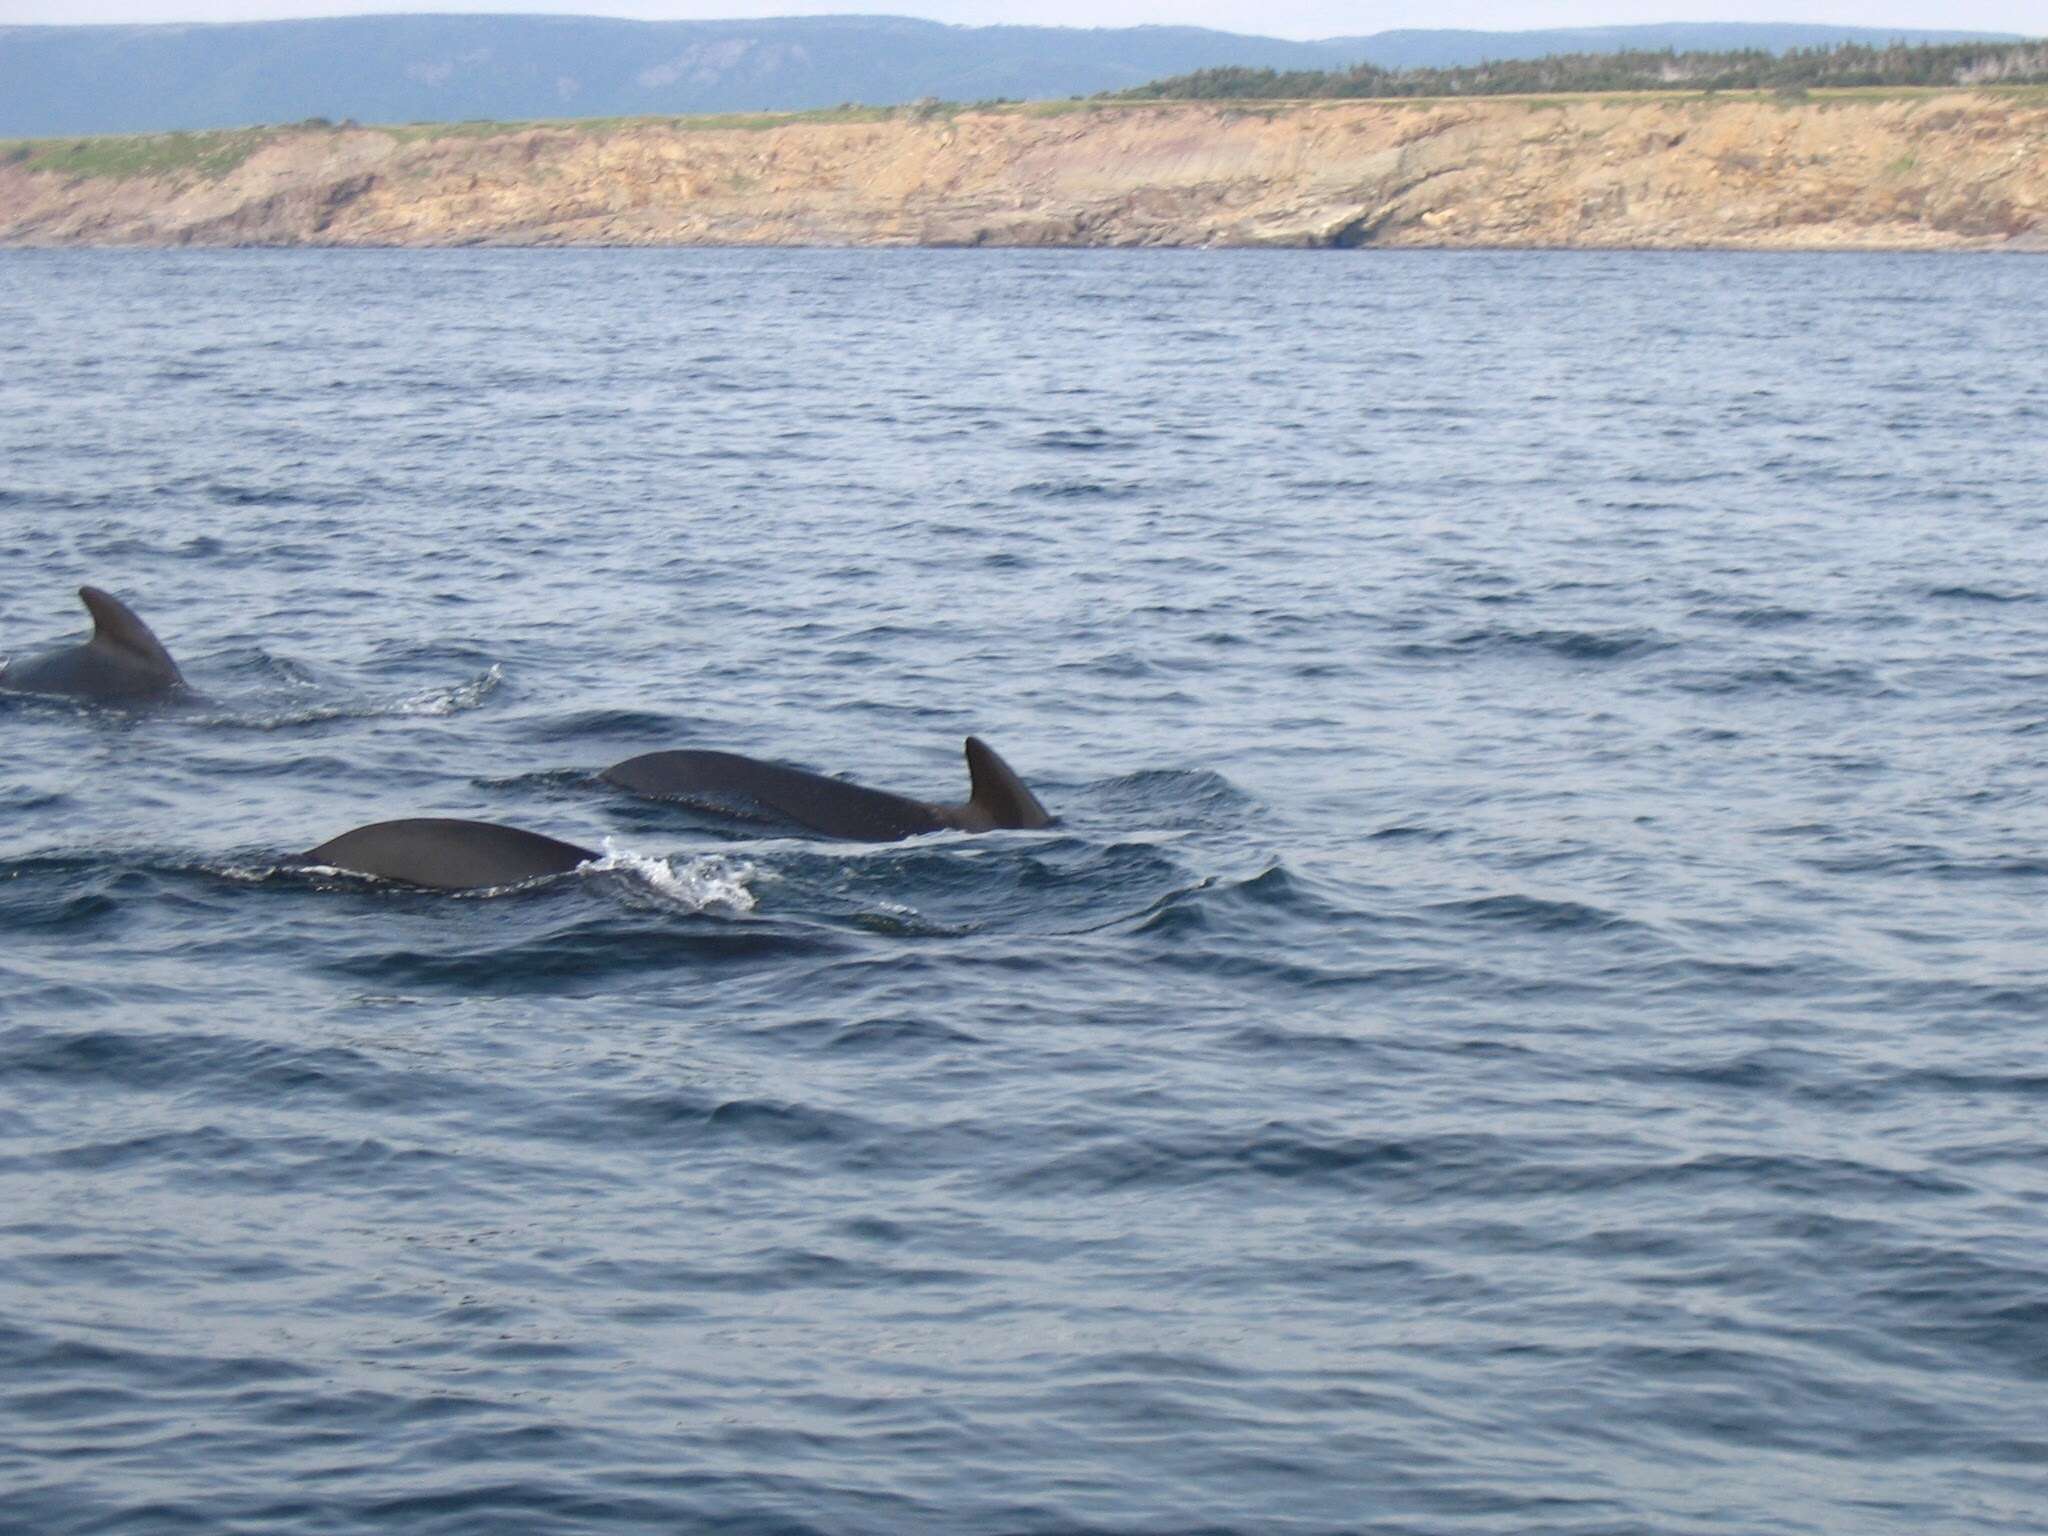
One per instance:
(449, 701)
(247, 874)
(696, 883)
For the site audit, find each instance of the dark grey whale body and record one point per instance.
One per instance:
(447, 854)
(122, 661)
(997, 797)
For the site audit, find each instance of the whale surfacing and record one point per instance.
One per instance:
(997, 798)
(122, 660)
(448, 854)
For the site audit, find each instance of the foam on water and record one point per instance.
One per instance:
(694, 884)
(432, 703)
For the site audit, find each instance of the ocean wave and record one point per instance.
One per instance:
(1536, 913)
(1975, 594)
(573, 952)
(1163, 799)
(1790, 675)
(1563, 644)
(1081, 440)
(1075, 490)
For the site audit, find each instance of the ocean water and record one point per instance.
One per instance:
(1534, 1016)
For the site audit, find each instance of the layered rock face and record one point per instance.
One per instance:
(1926, 171)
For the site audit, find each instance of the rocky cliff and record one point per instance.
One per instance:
(1896, 170)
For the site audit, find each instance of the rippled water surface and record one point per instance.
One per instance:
(1534, 1017)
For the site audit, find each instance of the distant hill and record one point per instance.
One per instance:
(57, 81)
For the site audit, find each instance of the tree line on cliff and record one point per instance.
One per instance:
(1744, 69)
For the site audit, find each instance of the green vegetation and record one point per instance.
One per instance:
(205, 155)
(158, 154)
(479, 128)
(1788, 76)
(209, 155)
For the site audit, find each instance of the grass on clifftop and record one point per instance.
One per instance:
(215, 153)
(156, 154)
(207, 155)
(479, 128)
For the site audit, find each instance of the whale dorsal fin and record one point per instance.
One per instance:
(998, 793)
(115, 625)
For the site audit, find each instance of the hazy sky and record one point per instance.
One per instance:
(1282, 18)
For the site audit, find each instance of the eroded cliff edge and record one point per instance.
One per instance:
(1900, 170)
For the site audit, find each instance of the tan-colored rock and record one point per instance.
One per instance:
(1910, 171)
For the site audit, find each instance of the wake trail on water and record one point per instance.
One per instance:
(433, 703)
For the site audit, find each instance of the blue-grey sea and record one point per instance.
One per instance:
(1533, 1017)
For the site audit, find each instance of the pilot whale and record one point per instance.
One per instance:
(725, 781)
(122, 660)
(446, 854)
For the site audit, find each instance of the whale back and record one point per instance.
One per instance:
(448, 854)
(746, 786)
(726, 781)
